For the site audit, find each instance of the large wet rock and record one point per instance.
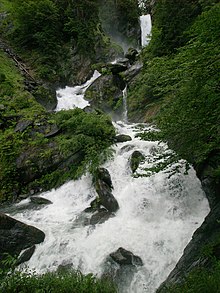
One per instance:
(26, 255)
(103, 185)
(125, 257)
(104, 175)
(135, 160)
(16, 236)
(120, 266)
(100, 217)
(122, 138)
(106, 197)
(40, 200)
(106, 94)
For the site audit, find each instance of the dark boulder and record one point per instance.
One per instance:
(103, 174)
(120, 266)
(54, 130)
(16, 236)
(122, 138)
(116, 68)
(131, 55)
(106, 197)
(23, 125)
(125, 257)
(100, 217)
(26, 255)
(132, 72)
(135, 160)
(39, 200)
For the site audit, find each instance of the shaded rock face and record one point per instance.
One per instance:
(205, 235)
(116, 22)
(131, 55)
(31, 165)
(135, 160)
(105, 93)
(16, 236)
(116, 68)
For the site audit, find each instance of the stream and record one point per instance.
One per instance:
(157, 216)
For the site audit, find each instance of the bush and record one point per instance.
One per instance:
(69, 282)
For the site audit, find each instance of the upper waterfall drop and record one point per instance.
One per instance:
(146, 26)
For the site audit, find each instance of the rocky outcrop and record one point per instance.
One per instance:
(106, 94)
(131, 55)
(106, 198)
(104, 175)
(16, 236)
(40, 200)
(135, 160)
(103, 186)
(26, 255)
(100, 217)
(125, 257)
(122, 138)
(120, 266)
(119, 23)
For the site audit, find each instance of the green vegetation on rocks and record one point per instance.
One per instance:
(186, 84)
(38, 150)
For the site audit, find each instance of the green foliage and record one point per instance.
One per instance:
(200, 280)
(36, 24)
(28, 160)
(90, 134)
(55, 282)
(171, 20)
(187, 84)
(196, 97)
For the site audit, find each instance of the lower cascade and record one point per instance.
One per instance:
(157, 215)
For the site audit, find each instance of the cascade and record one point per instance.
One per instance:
(158, 212)
(125, 108)
(146, 25)
(72, 97)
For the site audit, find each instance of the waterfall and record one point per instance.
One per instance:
(145, 29)
(125, 108)
(72, 97)
(157, 217)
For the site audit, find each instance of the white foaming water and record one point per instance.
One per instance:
(125, 108)
(71, 97)
(156, 219)
(145, 29)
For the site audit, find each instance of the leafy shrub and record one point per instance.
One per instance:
(74, 282)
